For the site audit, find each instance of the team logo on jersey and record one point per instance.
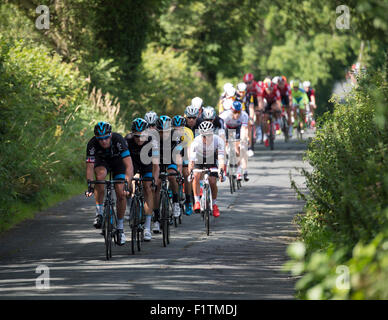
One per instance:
(92, 151)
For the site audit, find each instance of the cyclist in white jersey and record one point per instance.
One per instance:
(237, 119)
(207, 151)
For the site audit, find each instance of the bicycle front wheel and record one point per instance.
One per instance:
(165, 218)
(108, 233)
(133, 222)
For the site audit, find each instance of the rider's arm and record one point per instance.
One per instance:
(128, 168)
(90, 159)
(89, 171)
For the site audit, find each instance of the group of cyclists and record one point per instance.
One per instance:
(186, 144)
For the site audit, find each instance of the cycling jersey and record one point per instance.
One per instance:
(169, 148)
(246, 100)
(231, 123)
(118, 149)
(255, 89)
(202, 153)
(271, 97)
(142, 154)
(110, 158)
(285, 91)
(300, 97)
(310, 93)
(194, 129)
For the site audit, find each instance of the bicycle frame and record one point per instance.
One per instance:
(137, 218)
(109, 224)
(206, 199)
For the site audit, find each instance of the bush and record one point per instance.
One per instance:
(46, 121)
(346, 206)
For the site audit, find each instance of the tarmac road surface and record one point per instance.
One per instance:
(241, 259)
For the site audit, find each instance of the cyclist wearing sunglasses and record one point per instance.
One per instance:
(144, 152)
(207, 151)
(108, 151)
(192, 121)
(236, 119)
(170, 160)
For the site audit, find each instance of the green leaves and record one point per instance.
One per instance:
(345, 221)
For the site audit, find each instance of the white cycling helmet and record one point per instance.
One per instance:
(227, 104)
(192, 111)
(241, 86)
(230, 92)
(275, 80)
(151, 117)
(209, 113)
(306, 84)
(197, 102)
(227, 85)
(206, 128)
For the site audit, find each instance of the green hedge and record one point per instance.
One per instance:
(46, 120)
(346, 207)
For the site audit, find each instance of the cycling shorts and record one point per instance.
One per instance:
(286, 101)
(238, 130)
(115, 165)
(144, 170)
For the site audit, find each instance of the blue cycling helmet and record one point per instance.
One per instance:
(139, 125)
(178, 121)
(236, 106)
(102, 129)
(163, 123)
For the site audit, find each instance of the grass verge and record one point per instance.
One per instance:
(23, 211)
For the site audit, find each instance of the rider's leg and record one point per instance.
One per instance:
(303, 117)
(196, 186)
(213, 187)
(173, 184)
(188, 186)
(148, 206)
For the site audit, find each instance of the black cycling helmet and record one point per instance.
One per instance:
(163, 123)
(139, 125)
(102, 129)
(178, 121)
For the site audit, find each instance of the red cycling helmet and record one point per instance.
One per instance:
(248, 77)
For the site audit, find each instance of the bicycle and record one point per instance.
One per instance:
(181, 198)
(298, 122)
(206, 199)
(136, 216)
(272, 134)
(165, 207)
(231, 162)
(284, 121)
(109, 224)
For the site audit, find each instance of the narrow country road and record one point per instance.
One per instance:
(241, 259)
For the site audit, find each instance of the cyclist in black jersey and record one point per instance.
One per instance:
(170, 160)
(108, 151)
(144, 152)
